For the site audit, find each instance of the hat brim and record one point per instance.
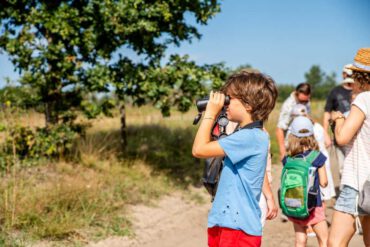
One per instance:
(352, 67)
(348, 80)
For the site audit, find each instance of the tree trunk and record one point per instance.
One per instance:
(51, 115)
(123, 127)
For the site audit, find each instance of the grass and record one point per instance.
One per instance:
(60, 201)
(71, 203)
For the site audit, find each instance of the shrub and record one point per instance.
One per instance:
(27, 143)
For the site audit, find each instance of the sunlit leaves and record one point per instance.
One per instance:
(64, 50)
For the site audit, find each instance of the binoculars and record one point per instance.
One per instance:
(202, 103)
(201, 106)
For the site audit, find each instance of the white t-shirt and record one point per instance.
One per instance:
(358, 154)
(285, 116)
(329, 191)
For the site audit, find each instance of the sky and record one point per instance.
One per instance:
(280, 38)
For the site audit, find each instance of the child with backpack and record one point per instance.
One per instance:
(303, 174)
(235, 216)
(328, 192)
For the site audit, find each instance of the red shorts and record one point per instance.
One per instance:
(226, 237)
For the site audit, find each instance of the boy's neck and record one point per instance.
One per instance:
(246, 120)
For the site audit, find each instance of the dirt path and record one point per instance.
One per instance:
(174, 221)
(177, 222)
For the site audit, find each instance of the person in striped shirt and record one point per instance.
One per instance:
(353, 131)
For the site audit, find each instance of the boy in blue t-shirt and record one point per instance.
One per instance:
(234, 219)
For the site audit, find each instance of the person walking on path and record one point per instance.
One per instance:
(301, 95)
(302, 144)
(329, 191)
(339, 99)
(353, 131)
(235, 216)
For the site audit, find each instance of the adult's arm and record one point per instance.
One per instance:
(282, 125)
(323, 178)
(281, 142)
(345, 129)
(325, 125)
(329, 104)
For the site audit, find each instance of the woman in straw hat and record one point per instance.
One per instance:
(355, 132)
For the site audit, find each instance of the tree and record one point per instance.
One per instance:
(176, 83)
(66, 50)
(314, 76)
(284, 91)
(320, 82)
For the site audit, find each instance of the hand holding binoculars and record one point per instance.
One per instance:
(202, 105)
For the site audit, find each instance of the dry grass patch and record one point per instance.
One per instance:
(72, 202)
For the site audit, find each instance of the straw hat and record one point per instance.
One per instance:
(362, 60)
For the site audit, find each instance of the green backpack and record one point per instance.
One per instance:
(297, 180)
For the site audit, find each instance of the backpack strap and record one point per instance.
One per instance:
(312, 156)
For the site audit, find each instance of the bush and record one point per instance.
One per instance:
(26, 143)
(284, 91)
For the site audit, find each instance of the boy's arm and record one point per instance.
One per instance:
(271, 206)
(203, 147)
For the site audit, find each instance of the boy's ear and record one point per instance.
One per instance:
(248, 108)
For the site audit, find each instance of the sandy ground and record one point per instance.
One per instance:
(176, 221)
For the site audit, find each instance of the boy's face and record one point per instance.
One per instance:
(236, 111)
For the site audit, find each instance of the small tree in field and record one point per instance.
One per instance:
(66, 50)
(320, 82)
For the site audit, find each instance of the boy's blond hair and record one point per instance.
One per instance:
(254, 89)
(297, 145)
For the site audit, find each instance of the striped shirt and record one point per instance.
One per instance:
(356, 167)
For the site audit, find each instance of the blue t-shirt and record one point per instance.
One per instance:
(236, 204)
(318, 162)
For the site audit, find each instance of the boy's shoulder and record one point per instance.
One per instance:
(244, 143)
(256, 134)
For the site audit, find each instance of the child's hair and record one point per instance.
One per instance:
(362, 79)
(297, 145)
(254, 89)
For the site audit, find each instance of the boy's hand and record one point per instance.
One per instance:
(272, 209)
(215, 104)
